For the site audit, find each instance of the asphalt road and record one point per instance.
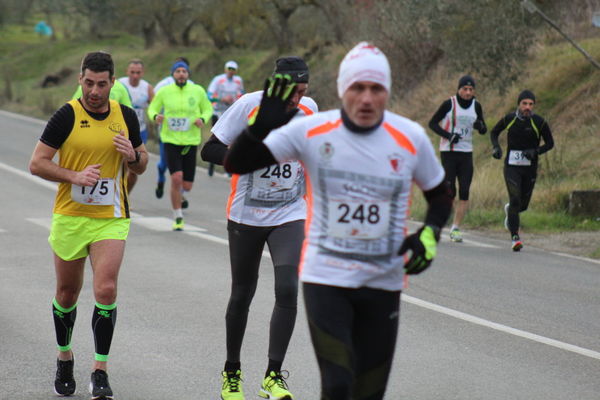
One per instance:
(482, 323)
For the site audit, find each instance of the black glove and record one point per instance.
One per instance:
(273, 111)
(480, 126)
(423, 244)
(530, 154)
(454, 138)
(497, 154)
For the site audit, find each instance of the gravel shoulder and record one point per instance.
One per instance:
(582, 244)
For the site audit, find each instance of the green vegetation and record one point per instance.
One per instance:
(430, 45)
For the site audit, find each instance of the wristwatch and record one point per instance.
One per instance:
(137, 158)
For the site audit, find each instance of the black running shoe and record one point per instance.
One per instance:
(184, 203)
(160, 186)
(64, 384)
(99, 387)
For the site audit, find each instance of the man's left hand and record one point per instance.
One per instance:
(530, 154)
(423, 244)
(199, 123)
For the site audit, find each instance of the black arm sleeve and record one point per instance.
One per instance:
(133, 125)
(434, 122)
(247, 154)
(500, 126)
(479, 111)
(214, 150)
(547, 136)
(439, 202)
(59, 127)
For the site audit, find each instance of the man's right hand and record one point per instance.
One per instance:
(89, 176)
(454, 138)
(497, 154)
(273, 112)
(159, 118)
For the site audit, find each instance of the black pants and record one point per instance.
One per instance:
(181, 158)
(246, 245)
(458, 165)
(353, 332)
(520, 182)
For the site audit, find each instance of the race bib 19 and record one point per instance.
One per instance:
(101, 194)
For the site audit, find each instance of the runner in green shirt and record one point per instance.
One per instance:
(186, 108)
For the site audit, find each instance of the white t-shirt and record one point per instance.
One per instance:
(139, 99)
(270, 196)
(459, 120)
(220, 87)
(358, 187)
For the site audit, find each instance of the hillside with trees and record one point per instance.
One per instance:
(430, 44)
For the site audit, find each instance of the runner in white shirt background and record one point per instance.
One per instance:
(141, 93)
(267, 206)
(360, 163)
(223, 90)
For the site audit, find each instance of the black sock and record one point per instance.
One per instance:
(103, 326)
(232, 366)
(64, 320)
(273, 366)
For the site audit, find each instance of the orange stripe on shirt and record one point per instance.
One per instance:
(309, 212)
(307, 111)
(324, 128)
(400, 138)
(253, 112)
(234, 182)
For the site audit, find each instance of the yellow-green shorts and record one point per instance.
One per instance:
(71, 236)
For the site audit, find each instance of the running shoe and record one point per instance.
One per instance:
(506, 215)
(232, 386)
(64, 384)
(456, 236)
(211, 169)
(184, 203)
(178, 224)
(274, 387)
(517, 244)
(99, 387)
(159, 191)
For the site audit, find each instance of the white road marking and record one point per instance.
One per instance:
(43, 222)
(502, 328)
(28, 176)
(22, 117)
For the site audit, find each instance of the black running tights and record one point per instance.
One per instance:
(353, 332)
(246, 245)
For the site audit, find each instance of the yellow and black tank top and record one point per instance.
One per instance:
(90, 141)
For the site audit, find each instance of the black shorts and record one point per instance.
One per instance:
(458, 165)
(181, 158)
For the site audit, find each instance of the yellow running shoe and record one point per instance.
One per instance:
(178, 224)
(456, 236)
(232, 386)
(274, 387)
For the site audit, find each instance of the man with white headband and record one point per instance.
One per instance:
(360, 163)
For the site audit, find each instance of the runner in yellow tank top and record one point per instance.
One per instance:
(97, 141)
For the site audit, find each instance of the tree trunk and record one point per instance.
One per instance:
(149, 32)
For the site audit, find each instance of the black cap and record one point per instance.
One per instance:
(526, 94)
(293, 66)
(466, 80)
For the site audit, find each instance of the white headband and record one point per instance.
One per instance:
(364, 62)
